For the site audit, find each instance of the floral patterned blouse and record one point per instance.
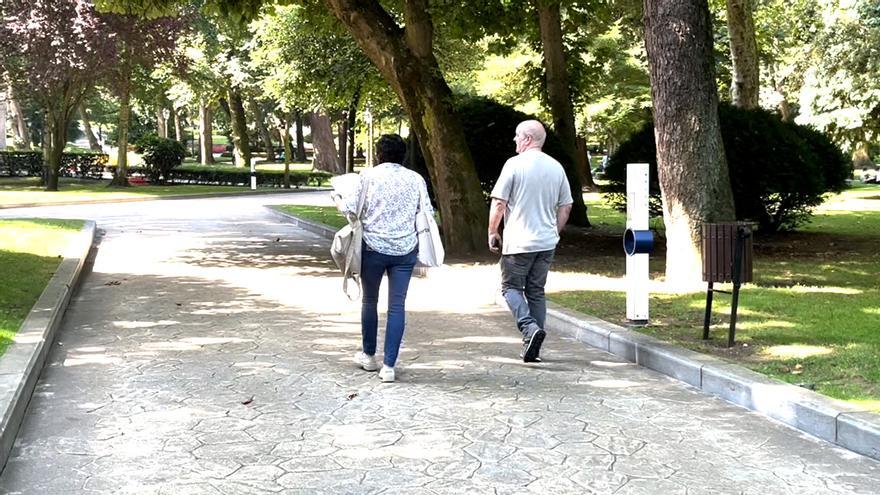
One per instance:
(390, 207)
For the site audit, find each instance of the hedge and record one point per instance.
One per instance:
(230, 176)
(81, 165)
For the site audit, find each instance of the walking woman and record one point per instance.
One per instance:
(393, 197)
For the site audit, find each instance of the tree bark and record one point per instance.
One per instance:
(352, 121)
(56, 127)
(284, 132)
(405, 58)
(300, 139)
(121, 177)
(21, 138)
(161, 126)
(745, 86)
(861, 156)
(693, 175)
(556, 79)
(87, 130)
(242, 147)
(206, 134)
(260, 122)
(178, 126)
(3, 117)
(342, 137)
(325, 158)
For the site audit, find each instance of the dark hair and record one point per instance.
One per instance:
(390, 148)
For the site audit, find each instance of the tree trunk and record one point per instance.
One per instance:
(550, 22)
(242, 147)
(284, 131)
(121, 177)
(56, 127)
(405, 58)
(3, 116)
(21, 138)
(694, 181)
(352, 121)
(161, 127)
(861, 157)
(178, 126)
(745, 86)
(87, 130)
(206, 134)
(325, 149)
(260, 121)
(342, 137)
(300, 139)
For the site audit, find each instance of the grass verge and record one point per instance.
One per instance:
(30, 252)
(20, 191)
(327, 215)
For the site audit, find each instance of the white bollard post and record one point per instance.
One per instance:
(637, 276)
(253, 175)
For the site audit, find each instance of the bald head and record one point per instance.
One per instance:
(530, 134)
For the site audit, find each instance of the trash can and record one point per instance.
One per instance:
(719, 251)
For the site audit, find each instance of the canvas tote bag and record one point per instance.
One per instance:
(347, 245)
(431, 252)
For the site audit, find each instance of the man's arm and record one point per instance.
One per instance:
(496, 213)
(562, 214)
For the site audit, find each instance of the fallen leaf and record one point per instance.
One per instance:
(352, 396)
(248, 401)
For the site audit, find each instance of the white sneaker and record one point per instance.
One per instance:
(386, 374)
(366, 362)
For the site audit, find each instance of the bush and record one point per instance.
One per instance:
(779, 171)
(489, 128)
(30, 163)
(160, 155)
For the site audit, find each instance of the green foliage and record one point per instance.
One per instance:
(489, 128)
(82, 165)
(160, 156)
(779, 171)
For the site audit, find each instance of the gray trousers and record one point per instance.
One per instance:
(523, 276)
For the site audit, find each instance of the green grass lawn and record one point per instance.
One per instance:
(30, 251)
(26, 190)
(327, 215)
(811, 317)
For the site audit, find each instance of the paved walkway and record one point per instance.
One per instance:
(208, 352)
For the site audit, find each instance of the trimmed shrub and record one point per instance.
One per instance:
(779, 171)
(160, 156)
(30, 163)
(489, 127)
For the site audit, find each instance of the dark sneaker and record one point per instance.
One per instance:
(532, 347)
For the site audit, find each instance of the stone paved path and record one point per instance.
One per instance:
(208, 352)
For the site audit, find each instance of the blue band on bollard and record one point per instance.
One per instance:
(638, 242)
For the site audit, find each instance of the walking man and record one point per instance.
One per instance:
(533, 196)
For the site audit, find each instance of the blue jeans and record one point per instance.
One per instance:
(399, 269)
(523, 276)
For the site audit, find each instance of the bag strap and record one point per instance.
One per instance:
(360, 212)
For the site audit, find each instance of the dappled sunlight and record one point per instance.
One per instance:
(871, 311)
(764, 324)
(824, 290)
(440, 364)
(484, 340)
(85, 359)
(612, 383)
(130, 325)
(795, 351)
(191, 343)
(610, 364)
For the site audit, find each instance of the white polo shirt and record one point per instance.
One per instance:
(534, 185)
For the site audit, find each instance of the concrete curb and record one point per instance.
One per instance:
(167, 198)
(831, 420)
(320, 229)
(21, 365)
